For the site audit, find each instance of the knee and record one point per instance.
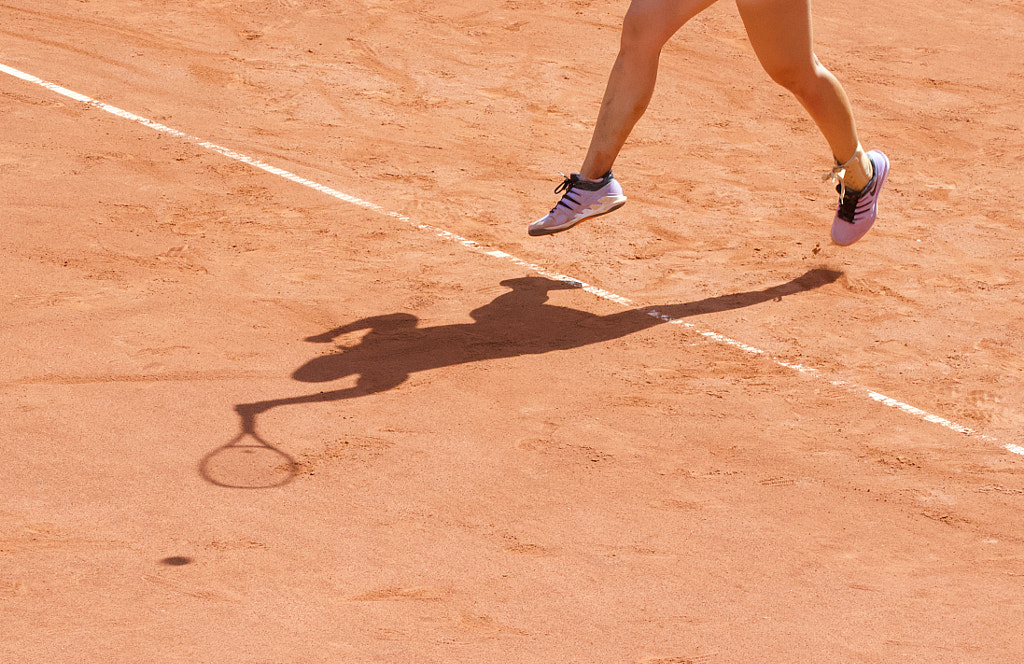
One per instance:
(645, 29)
(801, 77)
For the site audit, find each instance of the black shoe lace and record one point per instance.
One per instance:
(848, 200)
(567, 185)
(848, 205)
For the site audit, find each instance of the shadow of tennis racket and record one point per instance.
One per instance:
(248, 461)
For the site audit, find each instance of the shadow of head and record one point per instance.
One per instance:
(541, 284)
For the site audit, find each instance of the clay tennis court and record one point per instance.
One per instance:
(284, 379)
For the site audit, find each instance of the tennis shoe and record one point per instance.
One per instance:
(858, 209)
(581, 199)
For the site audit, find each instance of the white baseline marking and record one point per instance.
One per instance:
(599, 292)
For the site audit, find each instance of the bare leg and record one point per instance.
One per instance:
(781, 34)
(647, 26)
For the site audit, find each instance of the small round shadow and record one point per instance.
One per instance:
(176, 561)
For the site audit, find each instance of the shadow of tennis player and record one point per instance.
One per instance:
(516, 323)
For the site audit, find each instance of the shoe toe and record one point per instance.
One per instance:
(541, 226)
(845, 233)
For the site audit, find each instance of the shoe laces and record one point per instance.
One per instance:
(847, 209)
(567, 185)
(837, 175)
(848, 199)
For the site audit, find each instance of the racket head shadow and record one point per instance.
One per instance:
(248, 462)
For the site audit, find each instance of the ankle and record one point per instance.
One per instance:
(590, 177)
(858, 170)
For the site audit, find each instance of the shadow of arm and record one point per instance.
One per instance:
(376, 323)
(249, 411)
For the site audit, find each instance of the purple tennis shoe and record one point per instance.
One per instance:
(582, 199)
(858, 209)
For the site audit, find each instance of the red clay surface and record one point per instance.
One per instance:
(466, 461)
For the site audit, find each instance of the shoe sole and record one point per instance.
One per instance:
(617, 202)
(878, 191)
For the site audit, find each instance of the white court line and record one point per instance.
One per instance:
(599, 292)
